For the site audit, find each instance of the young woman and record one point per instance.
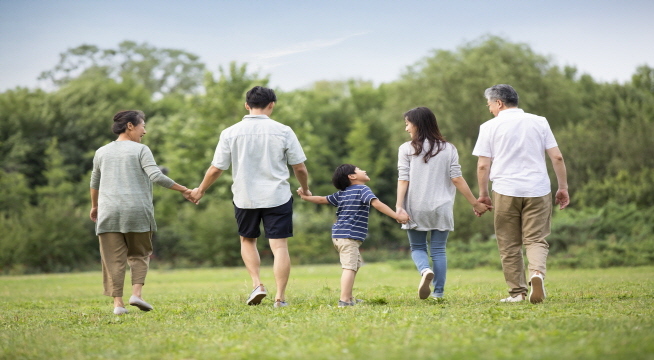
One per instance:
(429, 175)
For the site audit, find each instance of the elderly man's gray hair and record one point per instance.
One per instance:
(503, 92)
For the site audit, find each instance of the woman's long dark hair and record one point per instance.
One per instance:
(426, 126)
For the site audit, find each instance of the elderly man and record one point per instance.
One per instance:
(260, 150)
(516, 142)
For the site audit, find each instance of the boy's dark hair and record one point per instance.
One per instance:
(340, 179)
(259, 97)
(123, 117)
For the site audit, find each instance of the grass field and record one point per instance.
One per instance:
(200, 314)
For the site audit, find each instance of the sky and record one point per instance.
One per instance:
(299, 42)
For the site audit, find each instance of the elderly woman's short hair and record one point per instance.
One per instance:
(128, 116)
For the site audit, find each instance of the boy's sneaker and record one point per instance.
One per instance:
(356, 301)
(257, 295)
(344, 303)
(280, 303)
(537, 293)
(423, 288)
(517, 298)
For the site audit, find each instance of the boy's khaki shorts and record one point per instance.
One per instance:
(348, 249)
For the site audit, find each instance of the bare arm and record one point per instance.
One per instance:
(483, 176)
(402, 187)
(321, 200)
(562, 196)
(302, 175)
(212, 174)
(95, 194)
(464, 189)
(384, 209)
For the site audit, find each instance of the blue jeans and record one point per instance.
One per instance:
(418, 242)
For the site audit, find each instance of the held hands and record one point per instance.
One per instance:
(303, 193)
(483, 204)
(191, 196)
(402, 216)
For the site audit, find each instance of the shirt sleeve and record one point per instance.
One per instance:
(152, 170)
(333, 198)
(403, 163)
(294, 153)
(367, 195)
(482, 147)
(95, 174)
(222, 158)
(550, 141)
(455, 168)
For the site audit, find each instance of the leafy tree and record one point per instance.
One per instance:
(161, 71)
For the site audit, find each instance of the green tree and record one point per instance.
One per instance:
(161, 71)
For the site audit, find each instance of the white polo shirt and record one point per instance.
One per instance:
(260, 150)
(516, 142)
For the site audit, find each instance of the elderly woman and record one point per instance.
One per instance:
(121, 197)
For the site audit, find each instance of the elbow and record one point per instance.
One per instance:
(483, 167)
(300, 169)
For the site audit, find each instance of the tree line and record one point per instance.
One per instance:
(48, 139)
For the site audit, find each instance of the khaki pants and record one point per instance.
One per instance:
(522, 221)
(348, 250)
(118, 250)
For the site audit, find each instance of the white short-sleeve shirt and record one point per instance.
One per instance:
(516, 142)
(259, 150)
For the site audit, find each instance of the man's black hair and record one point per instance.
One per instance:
(259, 97)
(340, 179)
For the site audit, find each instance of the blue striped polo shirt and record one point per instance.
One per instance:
(353, 207)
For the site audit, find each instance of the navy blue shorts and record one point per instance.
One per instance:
(277, 221)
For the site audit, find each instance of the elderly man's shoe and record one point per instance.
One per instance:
(537, 293)
(517, 298)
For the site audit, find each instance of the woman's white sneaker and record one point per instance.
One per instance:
(423, 288)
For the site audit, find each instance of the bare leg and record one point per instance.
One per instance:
(118, 302)
(136, 290)
(282, 266)
(347, 283)
(251, 258)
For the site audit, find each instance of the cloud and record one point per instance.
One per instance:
(304, 47)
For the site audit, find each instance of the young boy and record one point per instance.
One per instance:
(348, 233)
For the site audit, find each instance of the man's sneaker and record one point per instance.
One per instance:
(257, 295)
(344, 303)
(423, 288)
(280, 303)
(517, 298)
(537, 293)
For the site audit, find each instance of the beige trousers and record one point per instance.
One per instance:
(118, 250)
(522, 221)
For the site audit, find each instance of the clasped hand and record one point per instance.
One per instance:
(193, 196)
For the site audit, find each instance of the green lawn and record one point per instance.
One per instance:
(200, 314)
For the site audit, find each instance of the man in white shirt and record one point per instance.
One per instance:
(515, 143)
(260, 150)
